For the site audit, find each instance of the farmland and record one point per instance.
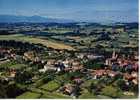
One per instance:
(82, 62)
(37, 40)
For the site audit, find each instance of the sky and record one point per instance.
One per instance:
(79, 10)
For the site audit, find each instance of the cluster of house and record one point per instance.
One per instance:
(116, 61)
(113, 63)
(74, 64)
(59, 65)
(129, 66)
(30, 55)
(67, 64)
(6, 54)
(89, 56)
(133, 77)
(120, 62)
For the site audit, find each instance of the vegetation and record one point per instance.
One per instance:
(91, 64)
(28, 95)
(50, 86)
(111, 92)
(31, 64)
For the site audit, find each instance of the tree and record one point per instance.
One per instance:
(77, 91)
(23, 77)
(111, 92)
(121, 84)
(71, 75)
(2, 91)
(96, 87)
(91, 64)
(13, 90)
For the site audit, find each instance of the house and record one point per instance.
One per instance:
(37, 59)
(110, 61)
(128, 76)
(48, 67)
(66, 63)
(98, 73)
(77, 80)
(134, 74)
(128, 93)
(12, 73)
(115, 66)
(135, 81)
(90, 56)
(3, 50)
(75, 63)
(68, 69)
(68, 89)
(51, 62)
(136, 66)
(43, 61)
(112, 73)
(76, 68)
(60, 66)
(94, 56)
(80, 56)
(29, 55)
(53, 65)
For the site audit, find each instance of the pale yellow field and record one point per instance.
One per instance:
(45, 42)
(73, 37)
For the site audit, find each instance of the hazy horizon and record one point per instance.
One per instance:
(77, 10)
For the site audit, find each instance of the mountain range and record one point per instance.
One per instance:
(32, 19)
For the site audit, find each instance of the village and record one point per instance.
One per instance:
(72, 74)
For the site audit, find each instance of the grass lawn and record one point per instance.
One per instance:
(103, 97)
(87, 83)
(12, 64)
(50, 86)
(8, 64)
(17, 66)
(54, 95)
(29, 95)
(86, 95)
(111, 91)
(129, 97)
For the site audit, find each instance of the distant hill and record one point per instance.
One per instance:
(33, 19)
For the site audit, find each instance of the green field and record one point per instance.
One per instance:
(29, 95)
(36, 93)
(50, 86)
(54, 95)
(12, 64)
(58, 31)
